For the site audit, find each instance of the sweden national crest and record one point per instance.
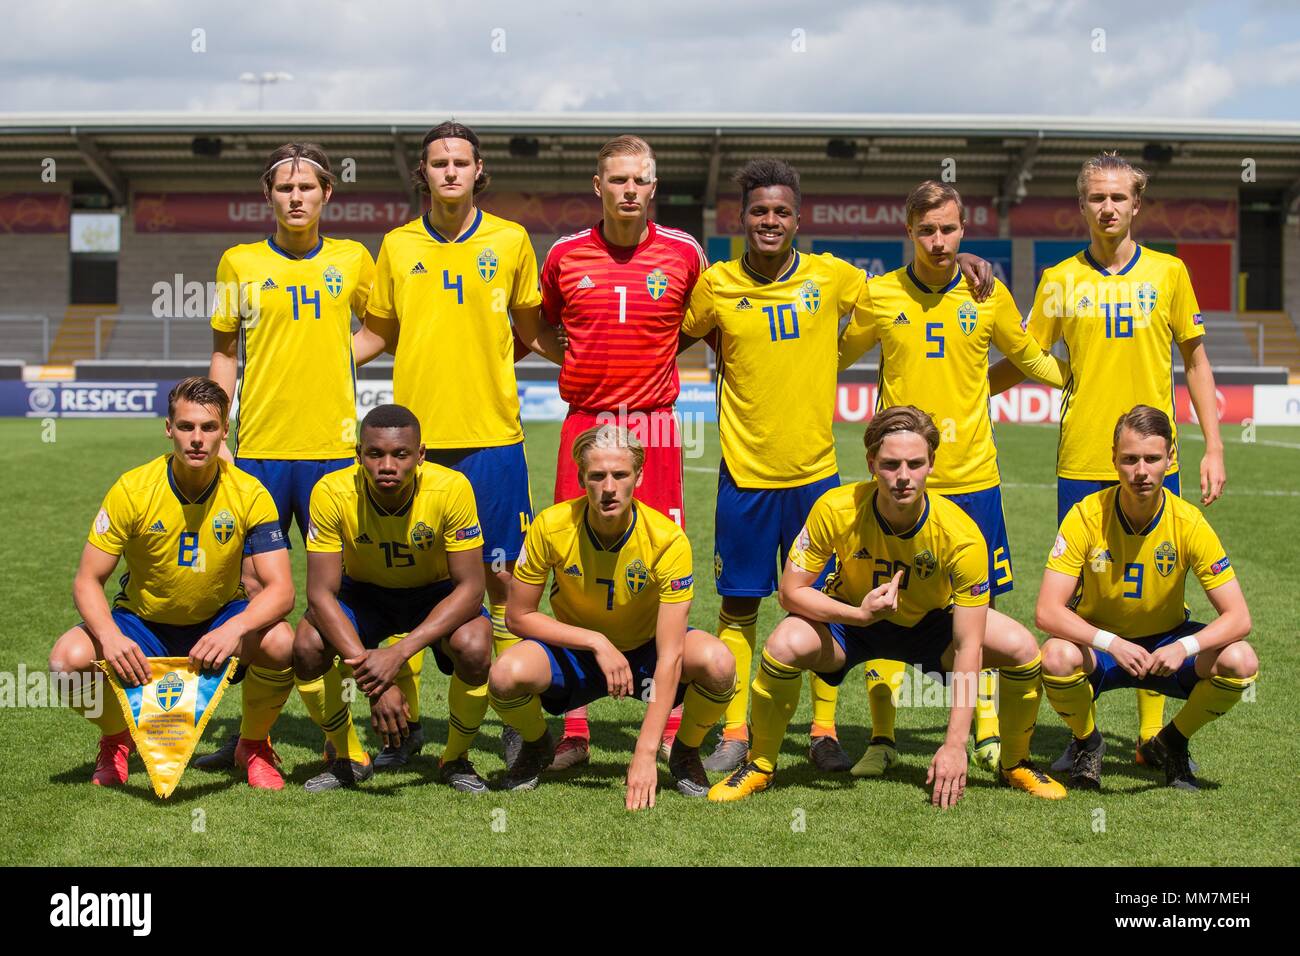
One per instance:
(925, 563)
(169, 690)
(656, 283)
(637, 576)
(717, 565)
(967, 316)
(1146, 296)
(1166, 558)
(810, 296)
(487, 265)
(223, 527)
(422, 537)
(333, 281)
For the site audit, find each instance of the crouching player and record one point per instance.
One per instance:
(393, 546)
(621, 598)
(910, 585)
(1120, 566)
(185, 522)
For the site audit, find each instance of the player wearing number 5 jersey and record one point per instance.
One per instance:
(1118, 306)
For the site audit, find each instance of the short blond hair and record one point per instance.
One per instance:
(932, 194)
(625, 145)
(901, 418)
(1110, 161)
(607, 436)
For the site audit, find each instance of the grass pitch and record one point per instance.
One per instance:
(1244, 815)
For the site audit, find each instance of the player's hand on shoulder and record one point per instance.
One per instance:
(1132, 657)
(126, 659)
(1166, 660)
(618, 674)
(215, 647)
(642, 779)
(389, 714)
(948, 774)
(882, 600)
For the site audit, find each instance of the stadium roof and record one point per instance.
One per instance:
(1004, 156)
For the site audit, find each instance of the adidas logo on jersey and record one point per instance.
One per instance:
(901, 320)
(862, 554)
(586, 283)
(157, 527)
(363, 538)
(573, 571)
(418, 269)
(269, 284)
(743, 304)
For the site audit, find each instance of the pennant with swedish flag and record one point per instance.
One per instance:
(166, 716)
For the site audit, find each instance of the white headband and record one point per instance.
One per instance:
(300, 159)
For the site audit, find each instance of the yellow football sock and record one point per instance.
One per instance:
(501, 638)
(466, 706)
(701, 709)
(524, 713)
(824, 698)
(323, 698)
(986, 707)
(1018, 689)
(738, 633)
(97, 694)
(408, 680)
(1151, 712)
(1209, 700)
(883, 680)
(776, 695)
(1071, 697)
(265, 691)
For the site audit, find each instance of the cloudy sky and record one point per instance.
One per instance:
(1111, 58)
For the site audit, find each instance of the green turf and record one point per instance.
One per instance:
(1244, 815)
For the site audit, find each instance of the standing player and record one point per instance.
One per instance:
(1120, 567)
(284, 313)
(395, 547)
(619, 290)
(185, 523)
(910, 584)
(621, 598)
(935, 345)
(777, 314)
(448, 287)
(1118, 306)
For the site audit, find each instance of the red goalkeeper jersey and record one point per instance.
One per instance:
(622, 310)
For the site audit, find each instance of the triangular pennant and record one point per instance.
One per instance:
(166, 716)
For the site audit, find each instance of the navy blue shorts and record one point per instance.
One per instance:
(175, 640)
(499, 477)
(577, 680)
(1108, 675)
(922, 645)
(1070, 491)
(754, 530)
(985, 509)
(289, 483)
(378, 613)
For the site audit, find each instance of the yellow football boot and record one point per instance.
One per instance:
(880, 756)
(745, 782)
(1025, 776)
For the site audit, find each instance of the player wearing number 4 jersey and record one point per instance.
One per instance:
(185, 523)
(621, 598)
(1118, 306)
(619, 290)
(934, 346)
(1112, 596)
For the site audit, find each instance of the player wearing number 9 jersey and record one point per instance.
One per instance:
(185, 523)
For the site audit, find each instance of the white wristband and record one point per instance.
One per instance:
(1190, 644)
(1102, 640)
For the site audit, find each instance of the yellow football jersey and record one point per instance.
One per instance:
(297, 388)
(943, 557)
(183, 557)
(934, 354)
(405, 548)
(776, 363)
(1131, 581)
(455, 361)
(616, 591)
(1120, 329)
